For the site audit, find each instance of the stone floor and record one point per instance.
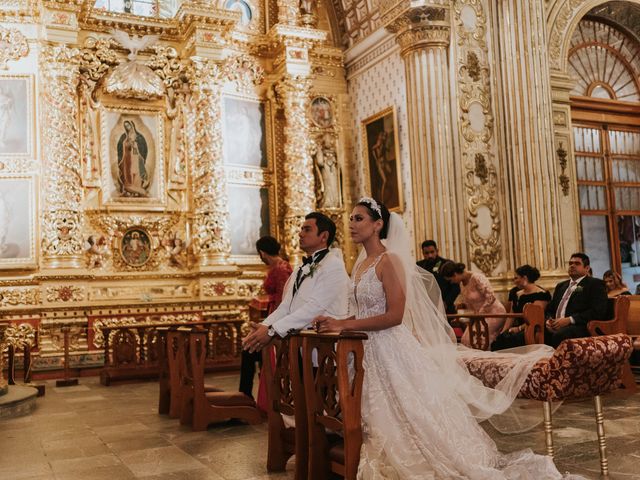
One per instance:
(91, 432)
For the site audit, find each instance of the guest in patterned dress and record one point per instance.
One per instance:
(477, 295)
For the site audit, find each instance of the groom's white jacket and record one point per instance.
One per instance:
(324, 293)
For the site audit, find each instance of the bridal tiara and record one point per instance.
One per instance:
(373, 204)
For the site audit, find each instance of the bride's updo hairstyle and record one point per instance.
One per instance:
(377, 211)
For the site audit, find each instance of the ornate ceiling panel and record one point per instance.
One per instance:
(625, 14)
(355, 19)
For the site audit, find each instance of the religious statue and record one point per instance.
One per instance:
(327, 172)
(6, 115)
(177, 250)
(132, 160)
(96, 248)
(308, 13)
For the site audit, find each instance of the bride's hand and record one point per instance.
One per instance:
(328, 325)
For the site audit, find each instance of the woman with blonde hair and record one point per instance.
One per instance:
(615, 284)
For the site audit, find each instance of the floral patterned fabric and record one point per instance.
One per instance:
(580, 367)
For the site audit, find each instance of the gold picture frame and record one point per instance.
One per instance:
(17, 117)
(132, 155)
(18, 222)
(381, 159)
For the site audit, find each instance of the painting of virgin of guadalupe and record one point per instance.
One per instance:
(135, 171)
(133, 178)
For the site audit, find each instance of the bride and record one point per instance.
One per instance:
(420, 406)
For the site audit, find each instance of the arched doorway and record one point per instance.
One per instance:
(604, 64)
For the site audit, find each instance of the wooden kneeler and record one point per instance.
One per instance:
(333, 398)
(285, 396)
(201, 408)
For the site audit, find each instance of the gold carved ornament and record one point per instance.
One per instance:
(11, 297)
(13, 46)
(62, 220)
(19, 335)
(480, 180)
(209, 191)
(292, 94)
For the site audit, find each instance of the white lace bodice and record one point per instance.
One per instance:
(368, 293)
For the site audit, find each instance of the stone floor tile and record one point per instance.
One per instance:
(155, 461)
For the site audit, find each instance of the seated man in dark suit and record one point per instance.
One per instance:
(575, 303)
(432, 262)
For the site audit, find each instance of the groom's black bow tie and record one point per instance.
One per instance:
(311, 259)
(307, 260)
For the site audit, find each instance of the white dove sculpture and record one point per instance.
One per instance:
(134, 44)
(134, 79)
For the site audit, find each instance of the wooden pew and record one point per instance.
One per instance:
(618, 324)
(532, 315)
(333, 402)
(201, 408)
(285, 395)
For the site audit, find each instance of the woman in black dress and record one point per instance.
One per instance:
(525, 291)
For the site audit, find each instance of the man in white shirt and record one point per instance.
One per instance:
(575, 303)
(319, 286)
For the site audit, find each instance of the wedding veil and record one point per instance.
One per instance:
(425, 317)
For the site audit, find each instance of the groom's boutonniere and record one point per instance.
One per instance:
(578, 289)
(437, 267)
(309, 269)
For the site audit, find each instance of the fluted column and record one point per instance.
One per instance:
(423, 35)
(62, 186)
(299, 194)
(210, 198)
(526, 124)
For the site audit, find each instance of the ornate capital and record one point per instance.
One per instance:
(13, 46)
(421, 27)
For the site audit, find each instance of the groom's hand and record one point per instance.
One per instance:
(257, 339)
(328, 325)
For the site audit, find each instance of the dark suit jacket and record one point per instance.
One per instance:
(587, 302)
(449, 291)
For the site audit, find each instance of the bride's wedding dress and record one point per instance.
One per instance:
(416, 423)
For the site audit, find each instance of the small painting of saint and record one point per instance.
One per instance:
(321, 112)
(135, 247)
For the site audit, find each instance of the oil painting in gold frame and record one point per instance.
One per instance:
(381, 155)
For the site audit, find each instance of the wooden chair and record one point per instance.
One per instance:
(285, 394)
(164, 396)
(579, 368)
(618, 324)
(201, 408)
(532, 315)
(333, 399)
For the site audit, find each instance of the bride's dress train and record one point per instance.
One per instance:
(416, 424)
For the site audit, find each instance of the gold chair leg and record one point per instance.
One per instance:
(602, 441)
(548, 429)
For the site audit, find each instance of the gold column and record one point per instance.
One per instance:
(210, 198)
(62, 179)
(423, 34)
(299, 195)
(526, 127)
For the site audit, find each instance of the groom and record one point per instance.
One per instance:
(317, 287)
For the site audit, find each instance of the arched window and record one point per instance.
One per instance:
(604, 63)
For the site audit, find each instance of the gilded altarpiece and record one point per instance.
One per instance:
(161, 161)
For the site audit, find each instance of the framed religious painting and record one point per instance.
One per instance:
(132, 157)
(18, 222)
(248, 217)
(243, 135)
(136, 247)
(381, 155)
(16, 116)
